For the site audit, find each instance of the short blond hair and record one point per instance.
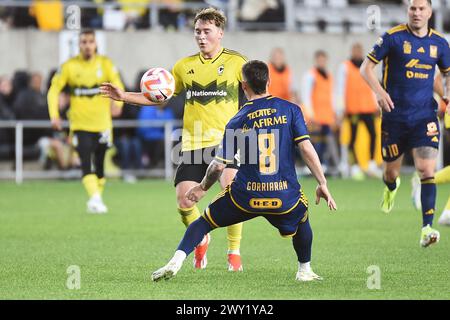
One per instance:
(213, 15)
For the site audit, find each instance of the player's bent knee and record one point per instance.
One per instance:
(425, 172)
(184, 203)
(391, 175)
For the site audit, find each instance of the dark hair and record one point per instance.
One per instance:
(320, 53)
(256, 74)
(87, 31)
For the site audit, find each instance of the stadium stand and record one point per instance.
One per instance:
(27, 22)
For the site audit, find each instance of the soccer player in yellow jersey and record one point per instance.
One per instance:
(90, 113)
(211, 79)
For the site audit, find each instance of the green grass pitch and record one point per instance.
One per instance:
(44, 229)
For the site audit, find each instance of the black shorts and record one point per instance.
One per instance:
(398, 137)
(194, 164)
(222, 212)
(91, 148)
(91, 140)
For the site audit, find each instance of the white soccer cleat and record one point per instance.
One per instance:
(307, 276)
(356, 173)
(167, 272)
(374, 171)
(429, 236)
(415, 193)
(344, 169)
(444, 219)
(95, 205)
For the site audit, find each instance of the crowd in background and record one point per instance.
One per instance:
(344, 127)
(335, 106)
(128, 14)
(135, 14)
(23, 96)
(341, 111)
(333, 109)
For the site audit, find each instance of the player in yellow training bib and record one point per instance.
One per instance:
(211, 79)
(89, 114)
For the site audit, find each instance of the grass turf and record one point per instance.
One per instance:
(44, 229)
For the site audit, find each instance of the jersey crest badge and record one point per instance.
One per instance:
(220, 70)
(433, 51)
(407, 47)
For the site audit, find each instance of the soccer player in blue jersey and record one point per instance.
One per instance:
(410, 53)
(263, 134)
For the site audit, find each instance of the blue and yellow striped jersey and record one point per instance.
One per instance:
(212, 96)
(264, 134)
(409, 64)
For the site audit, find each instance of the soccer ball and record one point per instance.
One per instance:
(157, 84)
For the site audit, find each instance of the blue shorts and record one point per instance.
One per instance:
(398, 137)
(222, 212)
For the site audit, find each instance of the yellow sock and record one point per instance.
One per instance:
(189, 215)
(234, 236)
(447, 206)
(101, 184)
(442, 176)
(90, 183)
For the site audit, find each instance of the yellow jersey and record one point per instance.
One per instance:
(212, 96)
(89, 111)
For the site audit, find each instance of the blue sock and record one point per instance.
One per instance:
(194, 235)
(391, 185)
(428, 199)
(302, 242)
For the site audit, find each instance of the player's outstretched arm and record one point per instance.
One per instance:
(109, 90)
(213, 174)
(368, 73)
(311, 159)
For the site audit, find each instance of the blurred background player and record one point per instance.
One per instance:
(6, 113)
(90, 113)
(443, 175)
(203, 75)
(281, 83)
(359, 104)
(31, 104)
(410, 53)
(152, 139)
(279, 131)
(319, 103)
